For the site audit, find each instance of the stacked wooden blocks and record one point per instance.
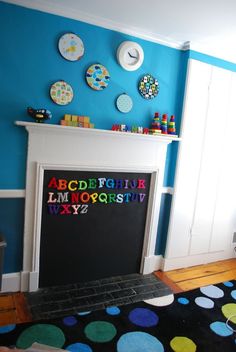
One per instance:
(77, 121)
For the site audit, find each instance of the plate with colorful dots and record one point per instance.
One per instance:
(71, 47)
(61, 93)
(124, 103)
(97, 77)
(148, 87)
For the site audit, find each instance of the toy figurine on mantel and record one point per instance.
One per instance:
(164, 126)
(39, 115)
(155, 125)
(171, 125)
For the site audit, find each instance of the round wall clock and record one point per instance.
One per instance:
(97, 77)
(130, 55)
(148, 87)
(124, 103)
(71, 47)
(61, 93)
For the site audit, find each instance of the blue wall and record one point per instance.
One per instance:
(30, 63)
(11, 227)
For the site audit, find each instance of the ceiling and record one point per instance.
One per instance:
(208, 25)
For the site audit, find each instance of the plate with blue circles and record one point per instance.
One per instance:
(148, 87)
(97, 77)
(124, 103)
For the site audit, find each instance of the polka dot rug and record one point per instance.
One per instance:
(200, 320)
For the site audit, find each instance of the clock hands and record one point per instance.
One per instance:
(133, 57)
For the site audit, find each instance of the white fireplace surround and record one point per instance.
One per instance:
(72, 148)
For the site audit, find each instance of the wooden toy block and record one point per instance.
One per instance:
(81, 118)
(86, 119)
(74, 118)
(91, 125)
(63, 122)
(86, 124)
(67, 117)
(80, 124)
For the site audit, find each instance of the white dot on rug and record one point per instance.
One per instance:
(161, 301)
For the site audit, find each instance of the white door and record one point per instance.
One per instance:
(197, 223)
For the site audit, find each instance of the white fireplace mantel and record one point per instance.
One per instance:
(57, 147)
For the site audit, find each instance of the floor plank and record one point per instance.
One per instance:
(201, 270)
(201, 275)
(186, 285)
(22, 311)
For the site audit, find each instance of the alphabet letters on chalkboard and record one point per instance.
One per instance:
(72, 196)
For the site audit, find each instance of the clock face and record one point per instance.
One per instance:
(130, 55)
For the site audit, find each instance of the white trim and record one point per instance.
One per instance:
(212, 49)
(167, 190)
(185, 262)
(24, 284)
(68, 130)
(11, 282)
(152, 263)
(69, 12)
(12, 193)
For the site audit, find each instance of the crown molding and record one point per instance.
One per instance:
(215, 50)
(72, 13)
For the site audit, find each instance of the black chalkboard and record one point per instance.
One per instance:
(94, 232)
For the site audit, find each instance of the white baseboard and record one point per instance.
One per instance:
(152, 263)
(11, 282)
(185, 262)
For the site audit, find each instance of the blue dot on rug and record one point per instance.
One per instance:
(139, 342)
(212, 291)
(7, 328)
(113, 310)
(204, 302)
(228, 284)
(70, 321)
(220, 329)
(143, 317)
(233, 294)
(183, 300)
(79, 347)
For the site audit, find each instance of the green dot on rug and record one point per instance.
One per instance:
(46, 334)
(100, 331)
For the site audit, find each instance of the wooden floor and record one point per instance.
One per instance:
(197, 276)
(13, 307)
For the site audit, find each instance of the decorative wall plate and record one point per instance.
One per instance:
(61, 93)
(124, 103)
(71, 47)
(148, 87)
(97, 77)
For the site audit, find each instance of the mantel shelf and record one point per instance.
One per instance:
(51, 128)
